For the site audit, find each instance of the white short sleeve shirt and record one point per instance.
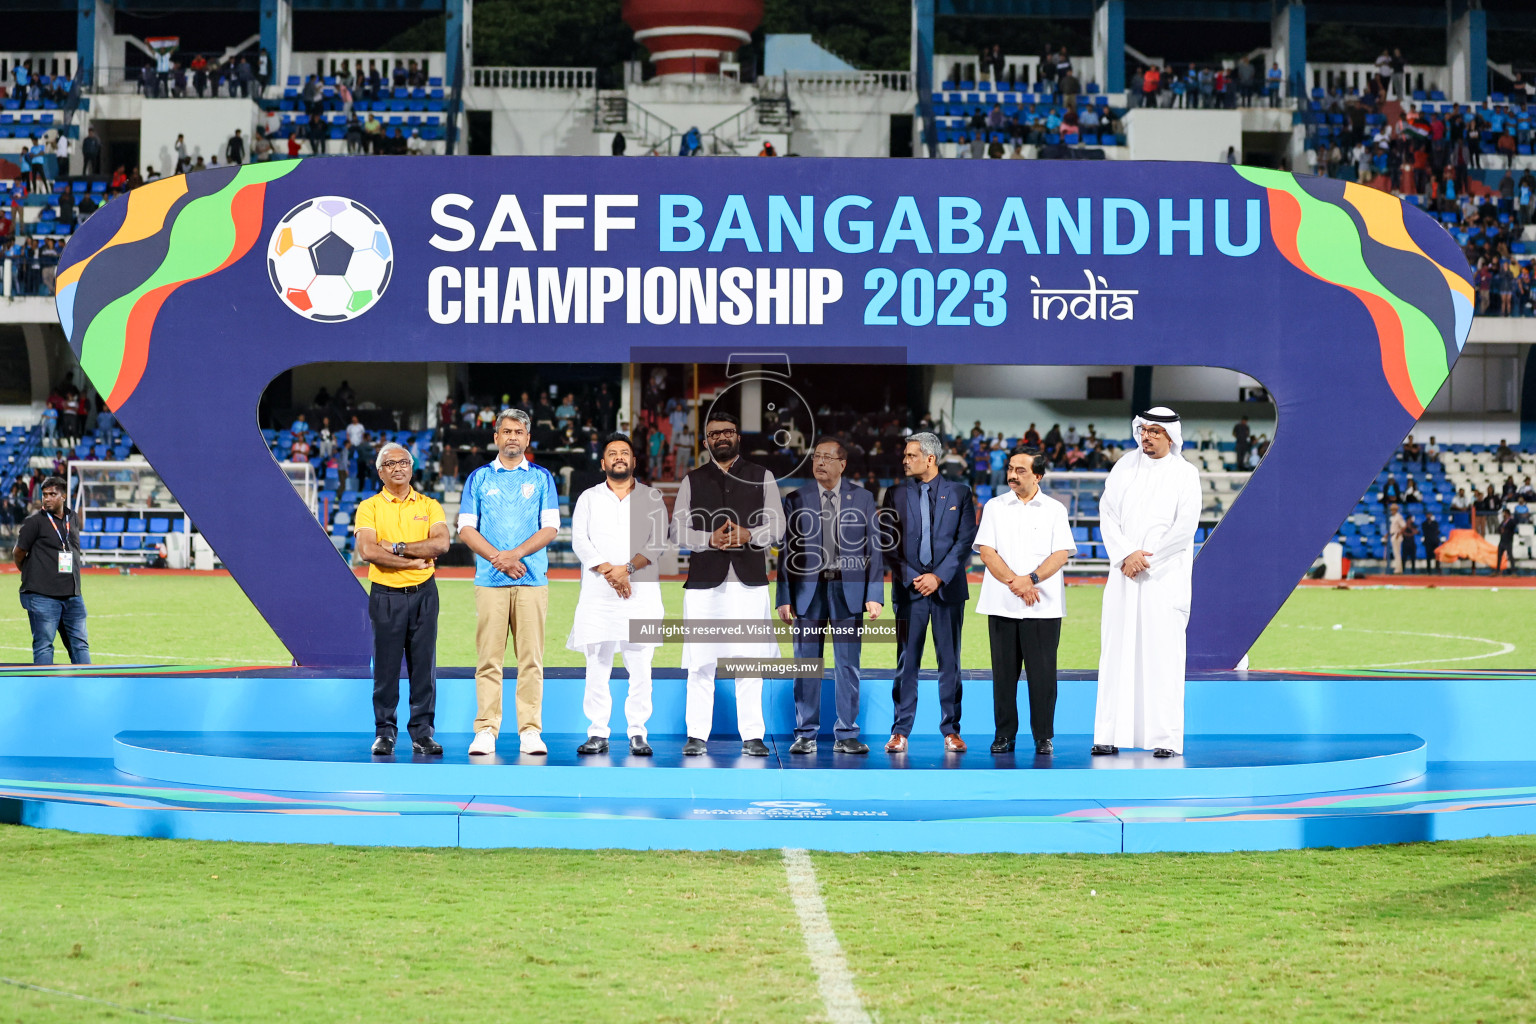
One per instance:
(1024, 534)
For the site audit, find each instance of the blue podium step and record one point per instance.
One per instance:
(1212, 767)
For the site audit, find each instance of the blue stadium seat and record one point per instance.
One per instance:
(131, 543)
(159, 524)
(106, 542)
(135, 526)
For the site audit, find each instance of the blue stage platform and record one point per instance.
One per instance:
(282, 756)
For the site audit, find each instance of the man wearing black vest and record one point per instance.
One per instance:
(727, 516)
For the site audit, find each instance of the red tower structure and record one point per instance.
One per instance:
(688, 37)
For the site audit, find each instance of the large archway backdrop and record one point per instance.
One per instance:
(186, 298)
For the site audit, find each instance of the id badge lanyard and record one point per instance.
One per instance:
(66, 556)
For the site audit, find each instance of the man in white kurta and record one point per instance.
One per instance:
(618, 530)
(1148, 516)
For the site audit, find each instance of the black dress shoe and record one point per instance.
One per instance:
(383, 746)
(427, 745)
(850, 746)
(1163, 752)
(638, 747)
(594, 745)
(754, 748)
(1044, 749)
(803, 745)
(695, 746)
(1002, 745)
(1104, 748)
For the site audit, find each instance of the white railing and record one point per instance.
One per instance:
(1346, 77)
(1018, 70)
(329, 63)
(44, 62)
(534, 78)
(851, 81)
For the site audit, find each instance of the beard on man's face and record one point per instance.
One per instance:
(620, 472)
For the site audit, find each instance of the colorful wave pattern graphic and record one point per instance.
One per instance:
(173, 232)
(1353, 237)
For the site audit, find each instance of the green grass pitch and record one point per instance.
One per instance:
(230, 932)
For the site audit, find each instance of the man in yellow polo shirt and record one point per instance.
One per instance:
(400, 534)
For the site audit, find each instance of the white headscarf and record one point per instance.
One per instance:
(1165, 418)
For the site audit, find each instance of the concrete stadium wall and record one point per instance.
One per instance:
(539, 122)
(206, 123)
(1203, 135)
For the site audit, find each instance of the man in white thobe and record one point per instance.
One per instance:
(618, 530)
(727, 514)
(1148, 516)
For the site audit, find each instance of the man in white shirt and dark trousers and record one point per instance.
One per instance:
(1024, 541)
(618, 530)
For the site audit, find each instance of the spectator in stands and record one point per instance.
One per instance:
(416, 145)
(1242, 437)
(1411, 495)
(1527, 491)
(1462, 503)
(1045, 70)
(90, 152)
(1504, 454)
(1412, 451)
(1411, 544)
(1510, 491)
(1487, 507)
(997, 465)
(245, 77)
(299, 450)
(1431, 536)
(448, 467)
(1396, 525)
(1507, 530)
(317, 132)
(356, 432)
(1273, 81)
(234, 149)
(1390, 491)
(300, 425)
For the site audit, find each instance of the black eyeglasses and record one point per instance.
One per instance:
(719, 435)
(395, 464)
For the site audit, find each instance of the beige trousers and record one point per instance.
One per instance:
(520, 610)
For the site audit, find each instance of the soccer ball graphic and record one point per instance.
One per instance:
(329, 259)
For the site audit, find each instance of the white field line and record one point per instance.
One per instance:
(170, 659)
(1503, 648)
(833, 979)
(92, 999)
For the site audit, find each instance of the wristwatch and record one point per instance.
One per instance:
(398, 549)
(1034, 578)
(629, 567)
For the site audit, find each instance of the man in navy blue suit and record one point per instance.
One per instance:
(930, 525)
(830, 574)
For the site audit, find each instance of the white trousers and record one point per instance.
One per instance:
(597, 701)
(701, 703)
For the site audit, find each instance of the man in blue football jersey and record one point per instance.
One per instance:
(509, 512)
